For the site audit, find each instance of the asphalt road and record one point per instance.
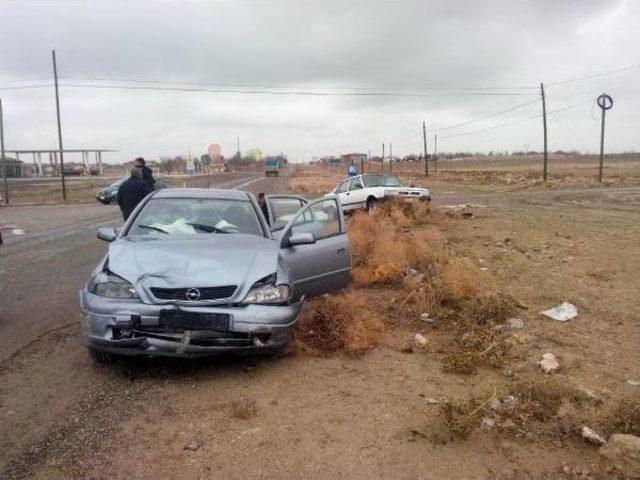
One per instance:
(45, 375)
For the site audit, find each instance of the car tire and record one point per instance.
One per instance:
(372, 204)
(100, 357)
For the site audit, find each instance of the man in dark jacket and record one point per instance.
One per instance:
(131, 192)
(147, 174)
(263, 206)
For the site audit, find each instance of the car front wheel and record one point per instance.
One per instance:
(372, 204)
(100, 357)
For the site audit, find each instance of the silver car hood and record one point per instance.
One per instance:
(193, 260)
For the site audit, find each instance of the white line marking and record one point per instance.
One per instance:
(237, 187)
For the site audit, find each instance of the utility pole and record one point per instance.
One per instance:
(382, 162)
(390, 157)
(435, 152)
(4, 160)
(424, 139)
(544, 128)
(55, 77)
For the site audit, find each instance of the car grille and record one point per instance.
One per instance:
(206, 293)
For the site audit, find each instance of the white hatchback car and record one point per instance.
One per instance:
(366, 191)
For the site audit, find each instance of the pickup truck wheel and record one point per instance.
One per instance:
(372, 204)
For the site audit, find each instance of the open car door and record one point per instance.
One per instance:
(315, 247)
(282, 208)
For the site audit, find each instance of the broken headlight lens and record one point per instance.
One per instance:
(111, 286)
(265, 291)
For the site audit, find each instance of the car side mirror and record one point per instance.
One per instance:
(301, 239)
(108, 234)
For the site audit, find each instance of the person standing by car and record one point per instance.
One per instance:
(263, 206)
(131, 192)
(147, 174)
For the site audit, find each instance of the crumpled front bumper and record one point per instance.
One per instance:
(129, 327)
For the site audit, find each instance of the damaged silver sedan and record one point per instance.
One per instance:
(200, 272)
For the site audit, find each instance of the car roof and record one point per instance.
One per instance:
(201, 193)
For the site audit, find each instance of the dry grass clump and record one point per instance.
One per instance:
(474, 345)
(341, 323)
(402, 214)
(468, 306)
(463, 417)
(623, 416)
(244, 409)
(540, 406)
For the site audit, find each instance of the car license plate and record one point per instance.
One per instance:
(186, 320)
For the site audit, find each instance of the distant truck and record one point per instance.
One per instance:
(271, 167)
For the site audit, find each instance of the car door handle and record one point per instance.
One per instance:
(347, 193)
(341, 250)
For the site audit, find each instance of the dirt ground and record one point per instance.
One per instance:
(508, 174)
(334, 415)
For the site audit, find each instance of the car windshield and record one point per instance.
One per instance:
(380, 181)
(170, 216)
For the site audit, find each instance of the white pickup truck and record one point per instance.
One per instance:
(366, 191)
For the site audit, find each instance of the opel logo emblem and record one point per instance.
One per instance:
(193, 294)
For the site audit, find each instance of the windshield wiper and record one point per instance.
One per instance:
(151, 227)
(206, 228)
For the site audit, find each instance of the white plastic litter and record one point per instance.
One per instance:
(563, 312)
(17, 231)
(591, 436)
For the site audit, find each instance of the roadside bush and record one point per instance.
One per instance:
(342, 323)
(381, 252)
(451, 288)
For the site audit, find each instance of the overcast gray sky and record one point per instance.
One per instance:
(399, 47)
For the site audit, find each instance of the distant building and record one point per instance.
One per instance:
(329, 161)
(15, 168)
(214, 150)
(254, 154)
(356, 158)
(215, 154)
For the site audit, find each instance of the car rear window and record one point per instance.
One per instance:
(197, 216)
(380, 181)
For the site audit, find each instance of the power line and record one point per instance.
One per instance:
(402, 140)
(508, 124)
(341, 87)
(594, 75)
(25, 87)
(263, 86)
(479, 119)
(289, 92)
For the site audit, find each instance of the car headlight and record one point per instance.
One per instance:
(265, 291)
(111, 286)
